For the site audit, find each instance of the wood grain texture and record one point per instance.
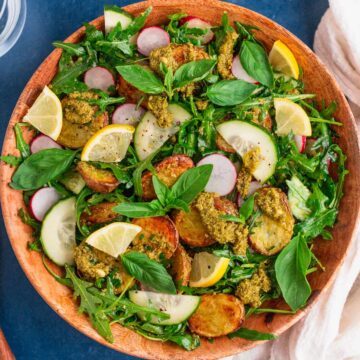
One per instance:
(331, 253)
(5, 351)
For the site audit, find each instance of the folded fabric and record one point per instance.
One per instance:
(331, 330)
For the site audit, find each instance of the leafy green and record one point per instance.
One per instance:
(221, 31)
(254, 335)
(41, 167)
(298, 195)
(148, 271)
(256, 63)
(71, 49)
(21, 144)
(11, 160)
(245, 212)
(143, 79)
(193, 71)
(229, 92)
(290, 267)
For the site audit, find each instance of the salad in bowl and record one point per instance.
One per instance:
(180, 174)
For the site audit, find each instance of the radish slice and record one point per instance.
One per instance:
(195, 22)
(239, 72)
(43, 142)
(254, 185)
(300, 142)
(152, 38)
(42, 200)
(127, 114)
(223, 176)
(99, 77)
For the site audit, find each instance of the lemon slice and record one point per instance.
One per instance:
(46, 114)
(207, 269)
(114, 238)
(291, 117)
(108, 144)
(283, 60)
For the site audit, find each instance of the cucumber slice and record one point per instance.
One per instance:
(58, 232)
(73, 181)
(243, 136)
(149, 136)
(114, 14)
(179, 307)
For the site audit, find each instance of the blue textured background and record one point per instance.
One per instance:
(32, 329)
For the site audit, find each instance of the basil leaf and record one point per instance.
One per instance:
(148, 272)
(229, 92)
(256, 63)
(41, 167)
(290, 269)
(71, 49)
(191, 183)
(143, 79)
(161, 190)
(250, 334)
(192, 71)
(247, 208)
(178, 204)
(139, 209)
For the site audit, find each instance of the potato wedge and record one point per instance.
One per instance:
(217, 315)
(180, 268)
(102, 181)
(222, 145)
(99, 214)
(158, 236)
(273, 229)
(168, 171)
(192, 232)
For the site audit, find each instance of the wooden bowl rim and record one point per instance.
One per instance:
(4, 188)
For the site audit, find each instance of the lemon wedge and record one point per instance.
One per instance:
(283, 60)
(291, 117)
(46, 114)
(207, 269)
(114, 238)
(108, 144)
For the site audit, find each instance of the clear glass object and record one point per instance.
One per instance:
(12, 20)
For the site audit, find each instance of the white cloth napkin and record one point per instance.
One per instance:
(331, 331)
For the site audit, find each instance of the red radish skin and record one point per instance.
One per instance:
(195, 22)
(42, 142)
(300, 142)
(42, 200)
(152, 38)
(239, 72)
(99, 78)
(127, 114)
(223, 176)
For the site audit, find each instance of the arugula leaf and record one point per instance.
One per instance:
(290, 269)
(92, 34)
(143, 79)
(187, 341)
(21, 144)
(229, 92)
(221, 31)
(110, 47)
(11, 160)
(28, 220)
(120, 173)
(140, 209)
(90, 304)
(250, 334)
(256, 63)
(41, 167)
(148, 271)
(191, 183)
(193, 71)
(71, 49)
(81, 205)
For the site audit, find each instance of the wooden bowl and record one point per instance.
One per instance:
(331, 253)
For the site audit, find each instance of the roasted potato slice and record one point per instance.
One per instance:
(158, 236)
(217, 315)
(181, 266)
(99, 214)
(222, 145)
(102, 181)
(191, 229)
(130, 92)
(175, 55)
(273, 229)
(168, 171)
